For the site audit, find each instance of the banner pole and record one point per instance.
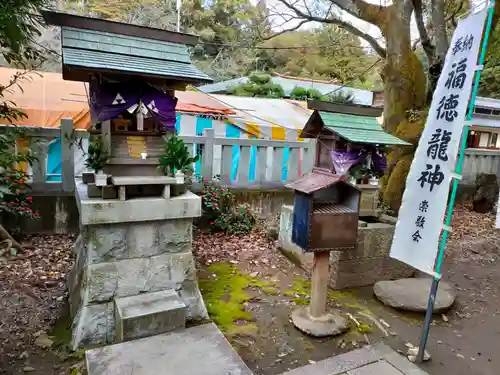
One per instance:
(458, 171)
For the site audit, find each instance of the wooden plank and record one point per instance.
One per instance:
(142, 180)
(244, 165)
(293, 164)
(67, 155)
(40, 165)
(133, 161)
(258, 142)
(277, 166)
(226, 163)
(106, 134)
(319, 285)
(208, 155)
(260, 173)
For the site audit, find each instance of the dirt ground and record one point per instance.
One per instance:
(266, 289)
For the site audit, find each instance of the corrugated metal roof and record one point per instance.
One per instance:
(361, 97)
(360, 129)
(266, 112)
(317, 180)
(105, 50)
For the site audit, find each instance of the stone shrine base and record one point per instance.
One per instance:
(131, 248)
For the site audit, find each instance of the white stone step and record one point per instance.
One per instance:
(148, 314)
(377, 359)
(201, 350)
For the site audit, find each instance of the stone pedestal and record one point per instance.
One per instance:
(126, 248)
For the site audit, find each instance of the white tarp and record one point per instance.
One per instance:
(421, 215)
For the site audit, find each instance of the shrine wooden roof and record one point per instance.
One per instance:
(91, 45)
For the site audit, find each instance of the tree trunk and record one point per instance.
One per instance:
(405, 91)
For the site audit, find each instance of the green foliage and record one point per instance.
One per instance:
(341, 98)
(19, 25)
(15, 198)
(237, 221)
(260, 86)
(340, 58)
(490, 76)
(221, 212)
(176, 156)
(301, 93)
(97, 154)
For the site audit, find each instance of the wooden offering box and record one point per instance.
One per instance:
(326, 212)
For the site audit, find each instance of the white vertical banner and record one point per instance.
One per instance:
(425, 198)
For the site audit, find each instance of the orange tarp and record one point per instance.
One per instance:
(46, 99)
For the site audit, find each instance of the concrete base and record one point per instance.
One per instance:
(330, 324)
(193, 351)
(377, 359)
(413, 294)
(126, 249)
(148, 314)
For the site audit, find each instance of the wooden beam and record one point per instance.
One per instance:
(319, 287)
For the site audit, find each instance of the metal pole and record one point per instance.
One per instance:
(458, 171)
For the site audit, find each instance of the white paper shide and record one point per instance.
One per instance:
(421, 215)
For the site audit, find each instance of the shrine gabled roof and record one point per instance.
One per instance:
(357, 128)
(99, 45)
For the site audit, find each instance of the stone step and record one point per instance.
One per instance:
(148, 314)
(193, 351)
(377, 359)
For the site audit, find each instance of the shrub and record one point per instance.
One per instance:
(219, 209)
(15, 198)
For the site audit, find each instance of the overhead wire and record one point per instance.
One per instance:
(346, 85)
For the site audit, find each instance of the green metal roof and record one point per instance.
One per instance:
(360, 129)
(104, 50)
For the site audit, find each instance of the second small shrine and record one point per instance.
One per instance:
(134, 251)
(351, 142)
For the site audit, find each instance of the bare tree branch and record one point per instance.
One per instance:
(301, 23)
(425, 40)
(334, 21)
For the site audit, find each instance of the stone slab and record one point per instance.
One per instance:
(193, 351)
(110, 242)
(99, 211)
(142, 180)
(374, 357)
(92, 325)
(413, 294)
(377, 368)
(148, 314)
(330, 324)
(128, 277)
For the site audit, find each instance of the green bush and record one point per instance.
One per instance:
(221, 212)
(15, 197)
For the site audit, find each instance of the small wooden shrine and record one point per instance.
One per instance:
(325, 212)
(132, 74)
(351, 142)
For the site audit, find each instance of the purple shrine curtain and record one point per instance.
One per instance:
(108, 100)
